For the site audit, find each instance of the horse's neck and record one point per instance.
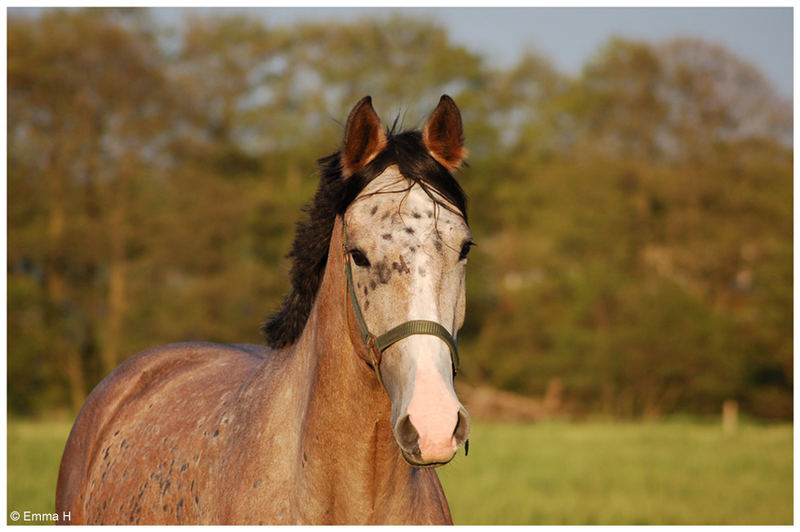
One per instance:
(346, 440)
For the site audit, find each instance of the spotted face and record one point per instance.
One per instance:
(408, 256)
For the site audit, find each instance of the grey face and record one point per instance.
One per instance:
(409, 263)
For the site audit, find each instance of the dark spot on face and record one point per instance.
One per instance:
(374, 209)
(386, 215)
(216, 433)
(366, 305)
(412, 249)
(386, 236)
(437, 244)
(384, 273)
(410, 230)
(422, 271)
(372, 285)
(121, 445)
(366, 290)
(429, 214)
(415, 214)
(401, 267)
(184, 467)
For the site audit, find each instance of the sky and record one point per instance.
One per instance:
(569, 36)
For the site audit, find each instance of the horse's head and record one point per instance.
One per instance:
(406, 241)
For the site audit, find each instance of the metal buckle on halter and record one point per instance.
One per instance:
(376, 353)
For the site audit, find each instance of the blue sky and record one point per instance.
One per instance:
(570, 36)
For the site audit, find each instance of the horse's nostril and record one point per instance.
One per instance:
(429, 448)
(407, 435)
(461, 432)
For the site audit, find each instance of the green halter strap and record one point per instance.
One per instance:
(377, 345)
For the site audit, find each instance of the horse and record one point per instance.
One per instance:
(327, 423)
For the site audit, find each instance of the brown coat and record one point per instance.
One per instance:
(212, 434)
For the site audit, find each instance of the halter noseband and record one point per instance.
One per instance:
(377, 345)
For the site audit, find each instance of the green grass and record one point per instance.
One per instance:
(551, 473)
(670, 473)
(34, 453)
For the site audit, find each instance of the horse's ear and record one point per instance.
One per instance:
(364, 138)
(443, 134)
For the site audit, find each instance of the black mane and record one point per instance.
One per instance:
(334, 195)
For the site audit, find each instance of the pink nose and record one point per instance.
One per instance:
(434, 413)
(436, 445)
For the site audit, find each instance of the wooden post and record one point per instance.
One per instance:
(730, 417)
(552, 397)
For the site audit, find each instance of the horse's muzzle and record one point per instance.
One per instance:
(437, 440)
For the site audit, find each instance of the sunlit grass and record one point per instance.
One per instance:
(653, 473)
(551, 473)
(34, 453)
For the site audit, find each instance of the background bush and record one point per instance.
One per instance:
(634, 222)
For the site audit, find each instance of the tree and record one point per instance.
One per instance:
(634, 223)
(89, 109)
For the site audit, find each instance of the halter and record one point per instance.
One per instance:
(377, 345)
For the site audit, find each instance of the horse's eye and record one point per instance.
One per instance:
(359, 258)
(465, 250)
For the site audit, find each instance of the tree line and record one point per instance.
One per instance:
(634, 222)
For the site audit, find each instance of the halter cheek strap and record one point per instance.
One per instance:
(377, 345)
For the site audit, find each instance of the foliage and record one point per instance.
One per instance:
(634, 223)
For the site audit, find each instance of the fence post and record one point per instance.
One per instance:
(730, 417)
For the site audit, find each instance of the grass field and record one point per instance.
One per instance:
(551, 473)
(669, 473)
